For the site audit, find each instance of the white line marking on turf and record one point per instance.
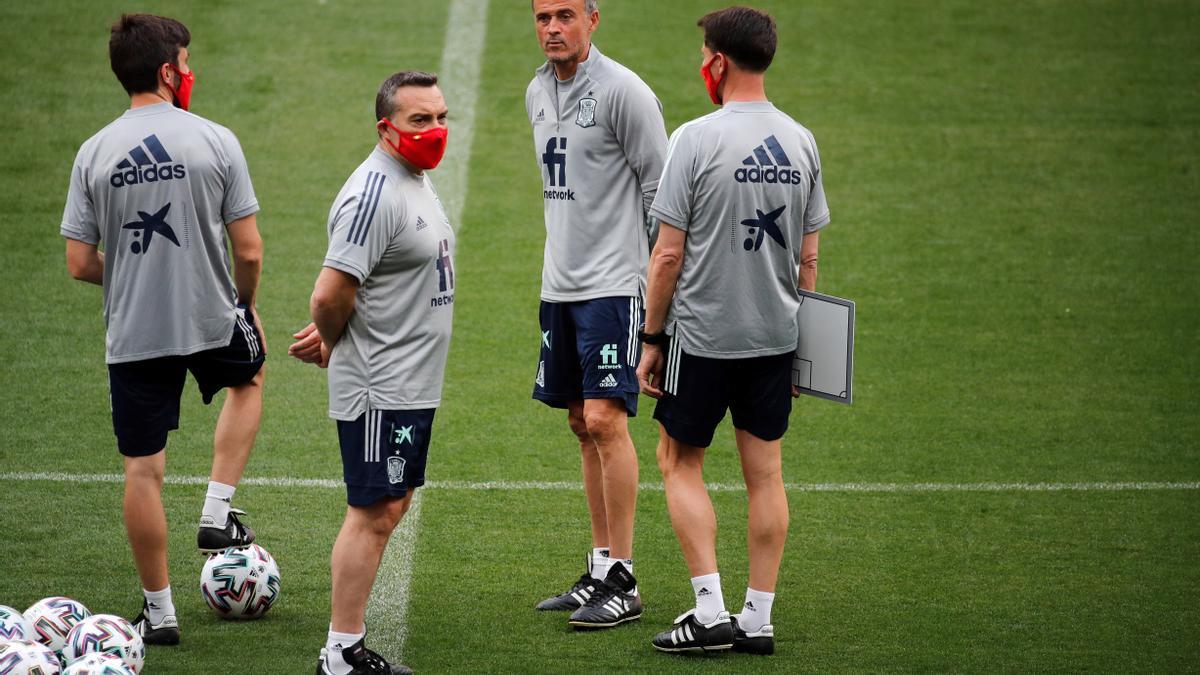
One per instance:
(388, 606)
(326, 483)
(462, 58)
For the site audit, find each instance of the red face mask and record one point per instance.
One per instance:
(710, 82)
(183, 94)
(422, 149)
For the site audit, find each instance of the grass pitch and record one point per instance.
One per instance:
(1013, 190)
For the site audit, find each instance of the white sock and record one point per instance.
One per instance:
(709, 601)
(600, 563)
(334, 644)
(216, 504)
(158, 605)
(756, 613)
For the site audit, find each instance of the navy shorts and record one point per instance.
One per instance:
(697, 391)
(145, 394)
(590, 349)
(384, 453)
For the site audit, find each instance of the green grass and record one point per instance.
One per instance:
(1013, 189)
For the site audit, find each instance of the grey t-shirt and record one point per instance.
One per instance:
(156, 188)
(600, 153)
(745, 184)
(387, 229)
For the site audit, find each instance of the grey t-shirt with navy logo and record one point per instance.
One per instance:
(599, 141)
(156, 188)
(745, 184)
(387, 229)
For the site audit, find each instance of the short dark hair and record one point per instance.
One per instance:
(139, 44)
(385, 100)
(743, 34)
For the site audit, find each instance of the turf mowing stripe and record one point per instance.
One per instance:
(325, 483)
(466, 32)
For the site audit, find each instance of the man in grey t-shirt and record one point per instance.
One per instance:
(163, 190)
(740, 202)
(382, 310)
(599, 141)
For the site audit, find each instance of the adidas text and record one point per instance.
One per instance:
(769, 174)
(150, 174)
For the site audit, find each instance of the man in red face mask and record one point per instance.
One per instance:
(382, 310)
(741, 203)
(162, 190)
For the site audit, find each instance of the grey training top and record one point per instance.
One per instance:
(387, 229)
(157, 186)
(600, 153)
(745, 184)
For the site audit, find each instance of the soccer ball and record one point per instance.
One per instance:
(99, 663)
(109, 634)
(26, 657)
(52, 618)
(14, 626)
(240, 583)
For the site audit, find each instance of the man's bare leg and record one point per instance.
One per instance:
(593, 475)
(691, 510)
(145, 519)
(762, 468)
(608, 426)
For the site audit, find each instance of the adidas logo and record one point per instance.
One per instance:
(541, 116)
(421, 224)
(608, 382)
(764, 165)
(703, 592)
(143, 169)
(750, 606)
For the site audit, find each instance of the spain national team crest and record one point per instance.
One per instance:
(587, 113)
(395, 469)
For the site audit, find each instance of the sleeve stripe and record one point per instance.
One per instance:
(362, 200)
(362, 236)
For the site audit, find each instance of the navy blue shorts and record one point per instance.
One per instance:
(589, 349)
(145, 394)
(697, 392)
(384, 453)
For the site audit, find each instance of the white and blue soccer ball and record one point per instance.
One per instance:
(26, 657)
(240, 583)
(98, 663)
(106, 634)
(14, 626)
(53, 618)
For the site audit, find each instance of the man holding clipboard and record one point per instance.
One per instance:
(740, 204)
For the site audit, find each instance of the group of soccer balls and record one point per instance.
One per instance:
(59, 636)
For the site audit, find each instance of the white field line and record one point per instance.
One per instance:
(462, 58)
(326, 483)
(388, 606)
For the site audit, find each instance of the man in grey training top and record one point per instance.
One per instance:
(162, 189)
(382, 310)
(599, 141)
(741, 203)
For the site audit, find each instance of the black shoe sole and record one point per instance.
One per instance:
(697, 650)
(214, 551)
(589, 625)
(161, 638)
(763, 646)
